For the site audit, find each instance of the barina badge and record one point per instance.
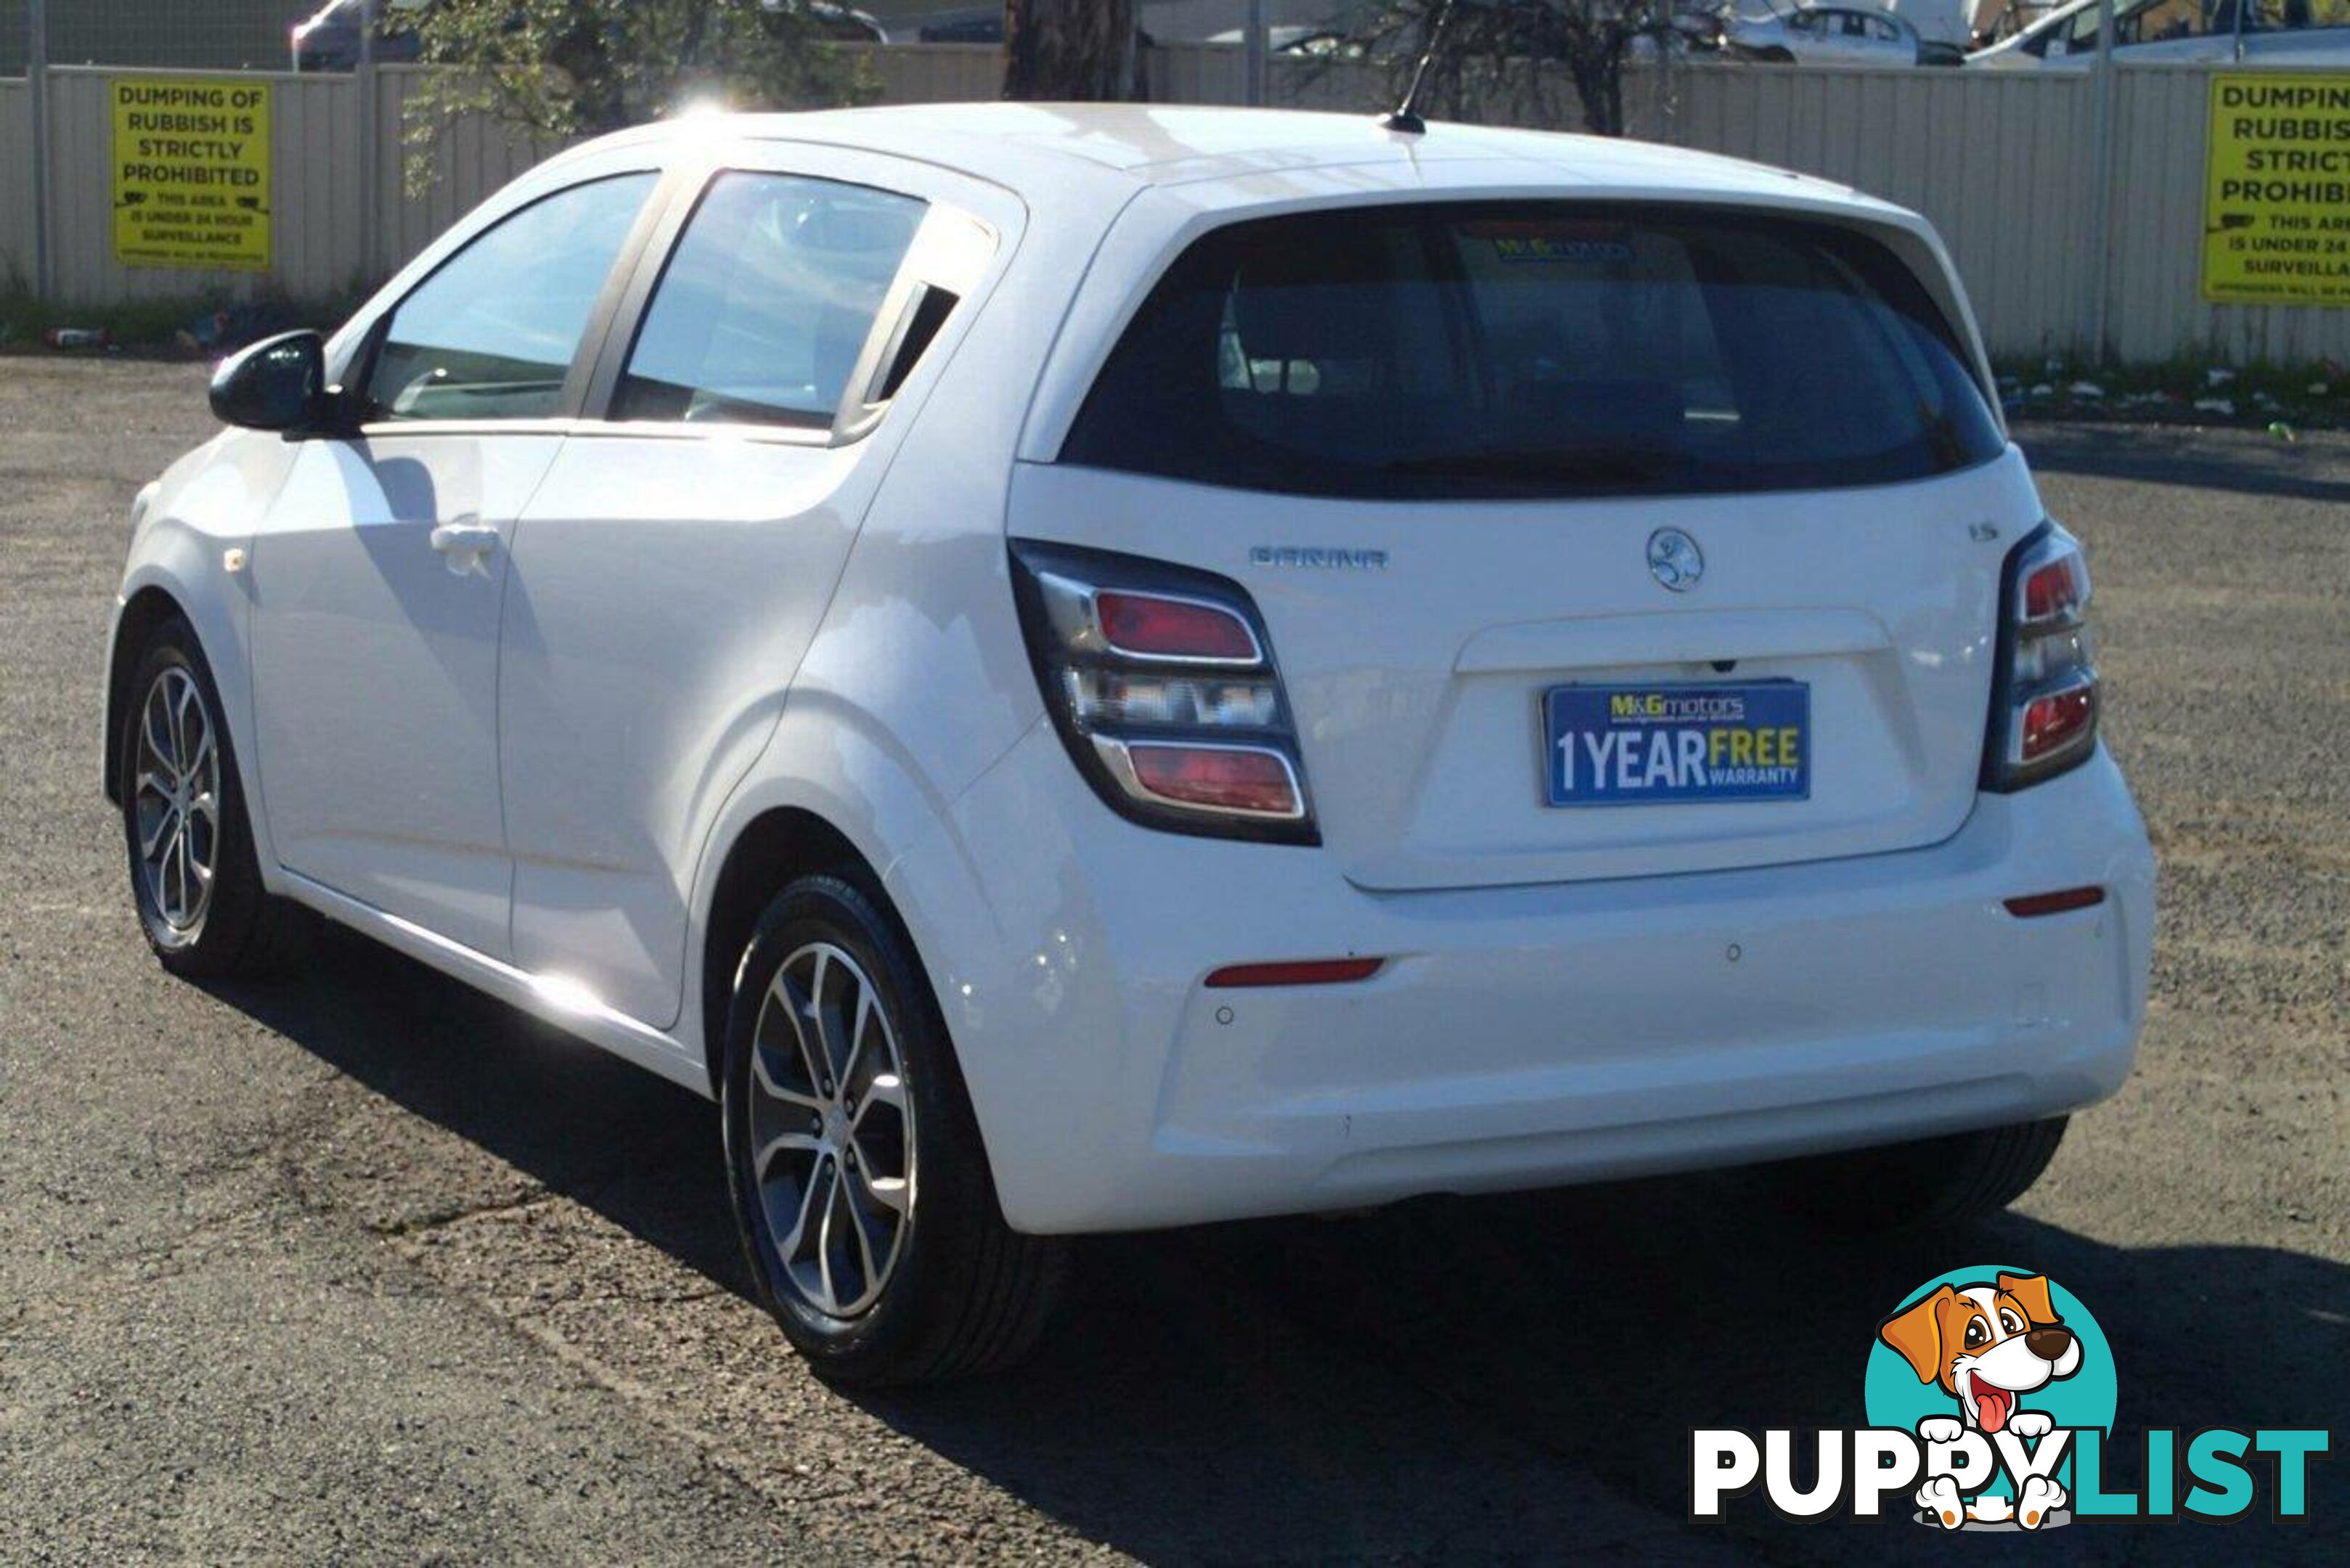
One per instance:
(1675, 560)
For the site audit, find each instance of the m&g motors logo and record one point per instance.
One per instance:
(1990, 1394)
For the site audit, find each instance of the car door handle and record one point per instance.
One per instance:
(464, 538)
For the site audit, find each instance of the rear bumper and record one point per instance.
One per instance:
(1516, 1037)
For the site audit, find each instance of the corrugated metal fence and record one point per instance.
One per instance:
(1994, 156)
(2004, 164)
(2001, 162)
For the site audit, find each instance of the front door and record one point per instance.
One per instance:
(380, 573)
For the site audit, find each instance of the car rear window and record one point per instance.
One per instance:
(1546, 349)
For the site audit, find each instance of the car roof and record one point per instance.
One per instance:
(1026, 147)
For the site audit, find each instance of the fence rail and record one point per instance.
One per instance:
(2003, 162)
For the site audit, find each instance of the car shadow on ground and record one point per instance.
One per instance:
(1448, 1377)
(2259, 464)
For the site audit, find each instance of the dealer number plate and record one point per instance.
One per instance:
(1675, 744)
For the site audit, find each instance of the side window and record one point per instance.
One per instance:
(490, 335)
(767, 301)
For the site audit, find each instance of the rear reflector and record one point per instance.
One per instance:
(1317, 972)
(1152, 625)
(1228, 778)
(2057, 903)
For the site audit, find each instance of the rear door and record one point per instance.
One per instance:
(380, 570)
(674, 566)
(1535, 498)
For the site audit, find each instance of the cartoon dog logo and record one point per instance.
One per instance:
(1987, 1344)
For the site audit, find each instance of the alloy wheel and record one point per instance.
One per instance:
(832, 1132)
(176, 802)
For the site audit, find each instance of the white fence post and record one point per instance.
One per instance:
(36, 94)
(2101, 199)
(1254, 43)
(367, 87)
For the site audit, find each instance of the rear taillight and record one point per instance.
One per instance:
(1180, 630)
(1161, 680)
(2043, 704)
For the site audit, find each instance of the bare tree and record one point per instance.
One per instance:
(1080, 51)
(1508, 59)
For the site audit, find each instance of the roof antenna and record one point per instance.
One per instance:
(1405, 117)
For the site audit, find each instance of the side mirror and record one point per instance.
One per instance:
(277, 384)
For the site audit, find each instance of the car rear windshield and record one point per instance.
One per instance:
(1544, 349)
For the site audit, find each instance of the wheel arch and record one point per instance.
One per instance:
(772, 850)
(168, 578)
(146, 609)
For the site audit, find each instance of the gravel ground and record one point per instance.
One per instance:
(363, 1264)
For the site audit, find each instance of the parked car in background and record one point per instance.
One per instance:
(1081, 667)
(2180, 32)
(971, 25)
(1960, 24)
(1318, 43)
(1298, 26)
(846, 24)
(329, 39)
(1833, 35)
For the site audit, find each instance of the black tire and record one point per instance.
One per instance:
(236, 929)
(958, 1291)
(1932, 1183)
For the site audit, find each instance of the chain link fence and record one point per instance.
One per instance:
(184, 35)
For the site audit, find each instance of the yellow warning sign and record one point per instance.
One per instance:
(2276, 197)
(190, 173)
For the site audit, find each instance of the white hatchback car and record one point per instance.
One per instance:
(1097, 668)
(2178, 32)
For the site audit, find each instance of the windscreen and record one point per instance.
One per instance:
(1545, 349)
